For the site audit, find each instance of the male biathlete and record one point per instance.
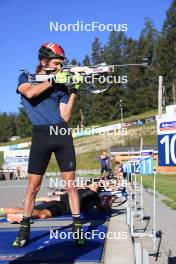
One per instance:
(106, 166)
(48, 104)
(59, 205)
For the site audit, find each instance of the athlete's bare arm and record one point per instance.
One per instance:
(29, 90)
(66, 110)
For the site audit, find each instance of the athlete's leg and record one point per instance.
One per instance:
(36, 214)
(65, 155)
(74, 207)
(13, 210)
(40, 154)
(69, 178)
(48, 199)
(34, 183)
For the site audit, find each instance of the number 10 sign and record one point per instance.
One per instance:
(166, 129)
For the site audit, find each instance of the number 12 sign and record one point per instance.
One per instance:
(166, 142)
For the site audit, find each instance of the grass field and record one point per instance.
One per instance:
(86, 161)
(166, 185)
(148, 137)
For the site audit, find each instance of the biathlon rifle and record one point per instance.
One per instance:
(86, 71)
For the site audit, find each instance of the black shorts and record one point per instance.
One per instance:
(46, 140)
(55, 207)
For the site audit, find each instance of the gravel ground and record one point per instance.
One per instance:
(165, 222)
(12, 192)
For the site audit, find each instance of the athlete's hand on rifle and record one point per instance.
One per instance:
(77, 80)
(67, 78)
(60, 77)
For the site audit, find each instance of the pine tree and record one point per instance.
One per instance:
(7, 126)
(97, 52)
(166, 51)
(24, 127)
(74, 62)
(86, 61)
(4, 136)
(142, 83)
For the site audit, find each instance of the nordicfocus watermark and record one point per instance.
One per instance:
(115, 130)
(96, 78)
(80, 182)
(81, 26)
(93, 235)
(102, 79)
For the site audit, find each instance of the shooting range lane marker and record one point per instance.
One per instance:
(146, 168)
